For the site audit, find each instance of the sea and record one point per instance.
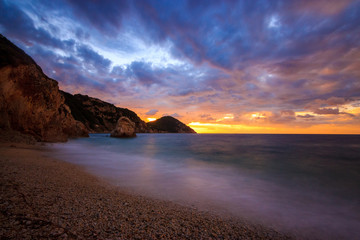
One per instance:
(304, 185)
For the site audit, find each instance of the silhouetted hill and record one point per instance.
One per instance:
(170, 124)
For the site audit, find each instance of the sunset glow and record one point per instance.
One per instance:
(150, 119)
(244, 129)
(220, 67)
(226, 128)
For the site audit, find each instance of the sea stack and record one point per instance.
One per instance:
(125, 128)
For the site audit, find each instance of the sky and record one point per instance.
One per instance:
(266, 66)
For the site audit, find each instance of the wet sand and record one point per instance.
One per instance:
(44, 198)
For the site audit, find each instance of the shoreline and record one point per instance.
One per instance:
(42, 197)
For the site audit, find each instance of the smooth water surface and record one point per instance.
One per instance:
(308, 185)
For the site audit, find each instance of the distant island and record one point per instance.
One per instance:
(32, 104)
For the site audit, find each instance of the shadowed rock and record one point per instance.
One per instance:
(125, 128)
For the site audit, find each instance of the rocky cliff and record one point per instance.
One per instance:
(169, 124)
(30, 102)
(99, 116)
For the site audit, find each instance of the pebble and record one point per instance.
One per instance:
(50, 199)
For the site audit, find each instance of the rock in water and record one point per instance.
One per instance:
(125, 128)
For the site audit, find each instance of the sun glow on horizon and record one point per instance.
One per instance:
(226, 128)
(150, 119)
(200, 127)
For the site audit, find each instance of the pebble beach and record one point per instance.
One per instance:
(44, 198)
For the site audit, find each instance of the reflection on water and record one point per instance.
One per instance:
(306, 184)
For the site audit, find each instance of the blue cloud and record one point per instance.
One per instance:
(143, 72)
(105, 16)
(19, 26)
(89, 56)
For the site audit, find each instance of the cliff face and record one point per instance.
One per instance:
(169, 124)
(30, 102)
(99, 116)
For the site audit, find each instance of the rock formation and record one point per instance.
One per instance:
(169, 124)
(30, 102)
(99, 116)
(125, 128)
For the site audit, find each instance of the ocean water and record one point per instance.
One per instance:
(306, 185)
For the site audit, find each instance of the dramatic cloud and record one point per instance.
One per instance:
(290, 64)
(327, 111)
(144, 73)
(151, 112)
(88, 56)
(105, 15)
